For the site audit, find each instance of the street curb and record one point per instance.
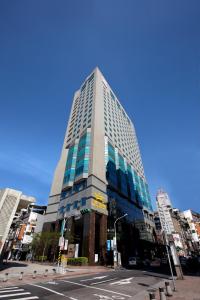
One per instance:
(144, 294)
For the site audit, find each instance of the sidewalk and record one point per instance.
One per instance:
(187, 289)
(15, 268)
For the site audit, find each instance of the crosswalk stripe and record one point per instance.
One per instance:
(27, 298)
(16, 294)
(9, 288)
(10, 291)
(45, 288)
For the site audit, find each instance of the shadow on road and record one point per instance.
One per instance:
(11, 264)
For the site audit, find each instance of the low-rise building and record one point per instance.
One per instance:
(193, 219)
(11, 203)
(25, 224)
(172, 224)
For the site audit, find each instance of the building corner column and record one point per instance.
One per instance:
(89, 237)
(103, 239)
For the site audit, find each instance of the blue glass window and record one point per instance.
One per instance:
(82, 163)
(111, 153)
(83, 201)
(68, 207)
(61, 210)
(121, 163)
(75, 204)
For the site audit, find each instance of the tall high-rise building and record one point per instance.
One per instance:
(100, 175)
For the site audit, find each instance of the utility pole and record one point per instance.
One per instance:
(169, 260)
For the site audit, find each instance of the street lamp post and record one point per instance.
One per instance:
(115, 241)
(66, 217)
(62, 237)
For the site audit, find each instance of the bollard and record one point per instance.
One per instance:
(162, 294)
(6, 277)
(54, 271)
(34, 274)
(21, 275)
(168, 289)
(152, 296)
(45, 273)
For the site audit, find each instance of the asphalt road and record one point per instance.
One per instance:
(116, 285)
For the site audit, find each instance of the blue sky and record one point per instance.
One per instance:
(149, 52)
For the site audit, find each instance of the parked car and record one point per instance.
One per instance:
(155, 262)
(134, 261)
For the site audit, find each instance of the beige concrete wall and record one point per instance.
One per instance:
(97, 164)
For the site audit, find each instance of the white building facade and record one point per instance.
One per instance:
(11, 201)
(193, 221)
(164, 207)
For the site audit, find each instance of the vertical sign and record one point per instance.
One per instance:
(108, 245)
(66, 245)
(96, 258)
(62, 227)
(76, 250)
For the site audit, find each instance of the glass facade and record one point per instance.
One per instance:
(125, 179)
(70, 164)
(83, 155)
(78, 159)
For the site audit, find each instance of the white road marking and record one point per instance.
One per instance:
(107, 297)
(52, 282)
(9, 288)
(123, 281)
(99, 277)
(27, 298)
(97, 288)
(10, 291)
(45, 288)
(11, 295)
(98, 282)
(52, 291)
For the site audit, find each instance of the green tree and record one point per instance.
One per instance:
(43, 241)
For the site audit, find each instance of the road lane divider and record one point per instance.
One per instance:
(93, 278)
(97, 288)
(103, 281)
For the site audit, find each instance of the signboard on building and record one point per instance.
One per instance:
(99, 202)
